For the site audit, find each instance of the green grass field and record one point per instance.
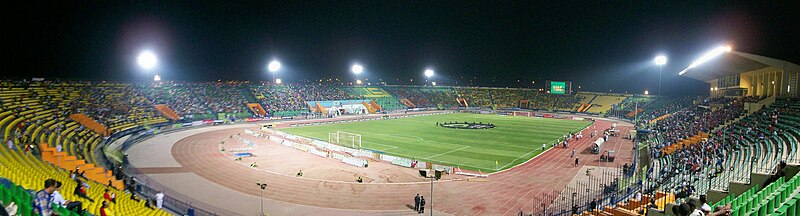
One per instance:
(513, 141)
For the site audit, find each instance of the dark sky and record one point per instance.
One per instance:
(600, 46)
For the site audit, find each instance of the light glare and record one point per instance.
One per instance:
(661, 60)
(708, 56)
(147, 60)
(428, 73)
(274, 66)
(357, 69)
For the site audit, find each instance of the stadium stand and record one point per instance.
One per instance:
(602, 103)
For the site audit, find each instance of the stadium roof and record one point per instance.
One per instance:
(734, 62)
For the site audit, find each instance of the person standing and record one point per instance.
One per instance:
(42, 200)
(576, 161)
(159, 199)
(421, 204)
(416, 203)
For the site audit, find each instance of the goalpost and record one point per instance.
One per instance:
(346, 139)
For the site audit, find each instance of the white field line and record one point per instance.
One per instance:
(448, 152)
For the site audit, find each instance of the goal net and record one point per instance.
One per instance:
(346, 139)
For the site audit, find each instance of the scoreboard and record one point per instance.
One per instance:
(559, 87)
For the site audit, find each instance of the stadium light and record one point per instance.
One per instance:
(646, 92)
(278, 81)
(357, 69)
(147, 60)
(428, 73)
(274, 66)
(156, 78)
(660, 60)
(433, 83)
(708, 56)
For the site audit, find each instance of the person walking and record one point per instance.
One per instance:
(416, 203)
(421, 205)
(573, 153)
(576, 161)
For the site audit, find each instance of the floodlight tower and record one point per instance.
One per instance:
(273, 67)
(660, 60)
(428, 74)
(357, 69)
(148, 61)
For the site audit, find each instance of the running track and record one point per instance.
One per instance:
(504, 193)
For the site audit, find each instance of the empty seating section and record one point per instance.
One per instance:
(603, 103)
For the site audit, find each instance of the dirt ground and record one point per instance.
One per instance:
(279, 159)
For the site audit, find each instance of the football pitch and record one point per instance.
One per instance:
(514, 139)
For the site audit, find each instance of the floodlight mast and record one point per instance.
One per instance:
(148, 61)
(660, 60)
(357, 69)
(273, 67)
(428, 74)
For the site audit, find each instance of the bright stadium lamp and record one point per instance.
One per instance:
(661, 60)
(357, 69)
(708, 56)
(147, 60)
(274, 66)
(156, 78)
(428, 73)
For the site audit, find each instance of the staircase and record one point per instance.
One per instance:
(376, 106)
(169, 113)
(320, 108)
(90, 123)
(407, 103)
(257, 109)
(462, 102)
(69, 162)
(370, 109)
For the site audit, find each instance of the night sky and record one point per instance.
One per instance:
(600, 46)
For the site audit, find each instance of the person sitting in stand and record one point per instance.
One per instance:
(80, 191)
(111, 197)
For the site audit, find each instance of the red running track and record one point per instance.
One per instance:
(504, 193)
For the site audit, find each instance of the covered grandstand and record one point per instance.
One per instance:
(743, 74)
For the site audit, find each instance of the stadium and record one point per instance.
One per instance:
(720, 139)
